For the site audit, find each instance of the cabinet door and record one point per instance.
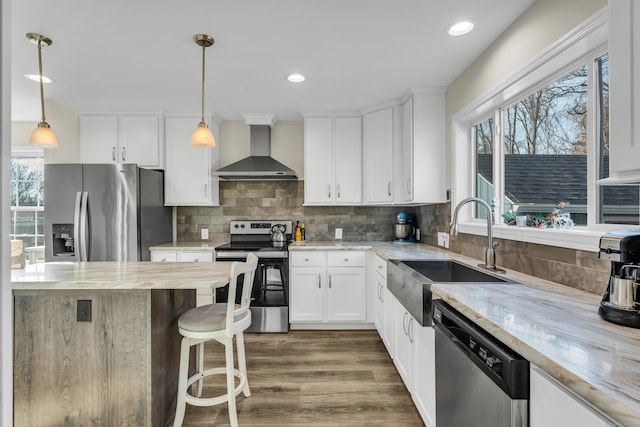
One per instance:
(405, 174)
(98, 139)
(318, 160)
(195, 256)
(624, 115)
(346, 294)
(404, 335)
(188, 179)
(377, 140)
(551, 406)
(348, 160)
(164, 256)
(424, 377)
(380, 294)
(305, 294)
(389, 322)
(140, 141)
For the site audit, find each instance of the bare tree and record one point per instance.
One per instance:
(551, 120)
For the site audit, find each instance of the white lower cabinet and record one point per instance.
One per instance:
(424, 374)
(203, 296)
(551, 405)
(305, 294)
(404, 327)
(414, 357)
(327, 287)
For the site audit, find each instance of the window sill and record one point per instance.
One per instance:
(578, 238)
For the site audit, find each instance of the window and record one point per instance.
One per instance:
(537, 144)
(27, 198)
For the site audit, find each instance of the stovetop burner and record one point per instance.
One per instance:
(254, 236)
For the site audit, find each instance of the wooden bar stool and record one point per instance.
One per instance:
(220, 322)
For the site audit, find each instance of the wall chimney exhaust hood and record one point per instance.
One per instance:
(259, 165)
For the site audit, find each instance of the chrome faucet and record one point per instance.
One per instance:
(490, 252)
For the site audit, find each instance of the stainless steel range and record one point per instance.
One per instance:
(270, 294)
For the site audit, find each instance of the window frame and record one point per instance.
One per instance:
(33, 153)
(584, 45)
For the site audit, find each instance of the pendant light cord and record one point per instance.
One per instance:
(203, 48)
(41, 79)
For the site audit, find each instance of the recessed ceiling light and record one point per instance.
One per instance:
(36, 78)
(460, 28)
(296, 78)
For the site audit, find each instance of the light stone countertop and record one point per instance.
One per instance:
(187, 246)
(121, 276)
(555, 327)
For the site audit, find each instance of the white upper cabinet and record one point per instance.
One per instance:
(333, 160)
(420, 177)
(188, 176)
(114, 138)
(624, 109)
(378, 135)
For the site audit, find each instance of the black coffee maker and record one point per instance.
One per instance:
(621, 301)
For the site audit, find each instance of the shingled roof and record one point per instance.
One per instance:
(549, 179)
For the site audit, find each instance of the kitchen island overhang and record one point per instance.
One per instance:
(119, 368)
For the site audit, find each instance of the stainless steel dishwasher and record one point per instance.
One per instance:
(479, 381)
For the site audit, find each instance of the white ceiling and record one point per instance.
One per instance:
(139, 55)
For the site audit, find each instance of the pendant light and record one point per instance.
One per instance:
(202, 136)
(42, 136)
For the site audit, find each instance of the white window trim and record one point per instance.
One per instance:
(588, 37)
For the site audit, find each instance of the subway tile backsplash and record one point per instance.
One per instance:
(284, 200)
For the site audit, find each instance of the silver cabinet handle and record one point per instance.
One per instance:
(409, 186)
(329, 281)
(404, 323)
(329, 191)
(346, 260)
(306, 260)
(113, 153)
(319, 282)
(338, 191)
(389, 188)
(163, 260)
(195, 260)
(204, 193)
(124, 154)
(410, 328)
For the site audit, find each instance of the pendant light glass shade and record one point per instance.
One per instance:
(203, 137)
(42, 136)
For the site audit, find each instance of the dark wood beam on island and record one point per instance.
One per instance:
(97, 343)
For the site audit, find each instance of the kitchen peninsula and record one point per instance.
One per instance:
(116, 366)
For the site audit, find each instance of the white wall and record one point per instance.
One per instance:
(536, 29)
(64, 122)
(6, 301)
(287, 143)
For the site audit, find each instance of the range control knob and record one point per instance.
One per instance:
(242, 226)
(236, 226)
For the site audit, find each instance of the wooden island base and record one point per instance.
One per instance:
(120, 369)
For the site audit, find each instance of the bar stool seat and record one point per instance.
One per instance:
(220, 322)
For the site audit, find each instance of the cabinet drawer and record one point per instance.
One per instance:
(164, 256)
(196, 256)
(346, 259)
(307, 259)
(380, 266)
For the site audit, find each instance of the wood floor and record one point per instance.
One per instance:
(312, 378)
